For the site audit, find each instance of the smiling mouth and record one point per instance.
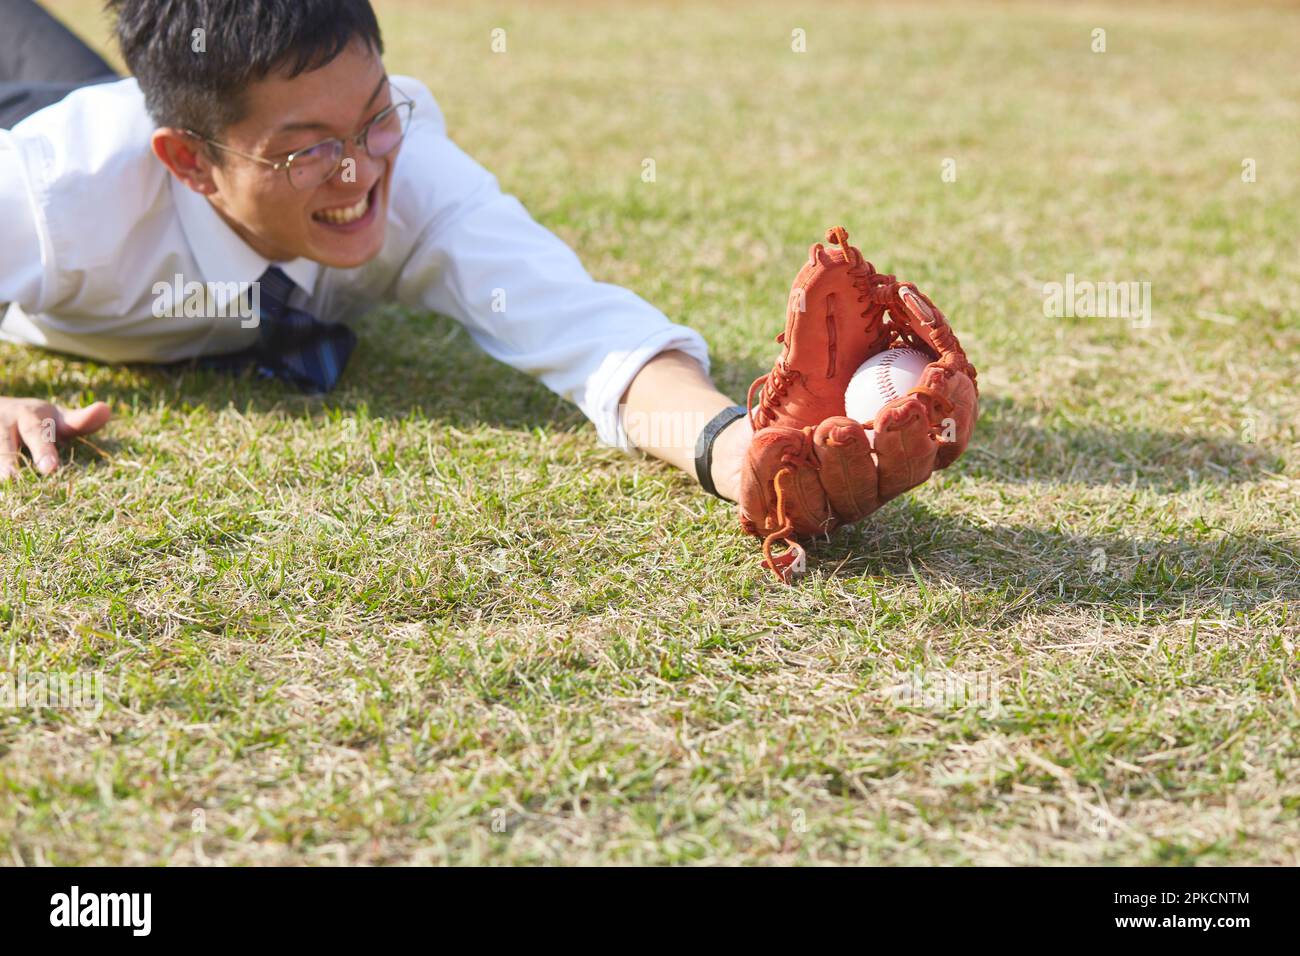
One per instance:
(345, 215)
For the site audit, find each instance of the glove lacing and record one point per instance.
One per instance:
(882, 291)
(780, 379)
(794, 560)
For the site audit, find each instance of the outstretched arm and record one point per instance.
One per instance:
(671, 399)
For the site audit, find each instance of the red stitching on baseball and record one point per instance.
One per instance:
(883, 381)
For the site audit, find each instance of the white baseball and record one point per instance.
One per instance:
(881, 379)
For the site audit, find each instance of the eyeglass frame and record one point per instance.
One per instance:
(360, 139)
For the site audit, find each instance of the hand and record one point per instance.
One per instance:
(39, 426)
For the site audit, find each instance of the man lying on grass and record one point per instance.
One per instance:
(262, 154)
(240, 203)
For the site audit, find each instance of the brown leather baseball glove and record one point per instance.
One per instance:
(810, 468)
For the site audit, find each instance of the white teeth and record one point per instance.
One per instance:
(342, 217)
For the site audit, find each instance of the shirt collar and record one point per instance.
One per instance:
(222, 256)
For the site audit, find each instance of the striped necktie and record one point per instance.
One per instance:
(292, 345)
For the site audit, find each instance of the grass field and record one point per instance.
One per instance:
(431, 619)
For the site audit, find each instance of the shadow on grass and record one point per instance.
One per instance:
(406, 365)
(1010, 446)
(1114, 570)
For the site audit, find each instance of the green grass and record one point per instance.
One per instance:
(431, 619)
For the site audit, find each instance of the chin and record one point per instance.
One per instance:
(348, 256)
(353, 243)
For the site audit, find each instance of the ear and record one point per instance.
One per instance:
(183, 155)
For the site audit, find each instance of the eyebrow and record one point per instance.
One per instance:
(292, 127)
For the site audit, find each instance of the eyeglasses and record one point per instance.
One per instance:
(316, 165)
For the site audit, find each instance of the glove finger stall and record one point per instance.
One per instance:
(905, 447)
(779, 457)
(848, 472)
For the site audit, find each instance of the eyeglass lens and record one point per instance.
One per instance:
(315, 166)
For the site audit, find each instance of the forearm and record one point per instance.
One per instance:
(666, 407)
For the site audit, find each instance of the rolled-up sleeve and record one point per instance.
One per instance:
(520, 292)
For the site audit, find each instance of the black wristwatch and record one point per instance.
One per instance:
(704, 445)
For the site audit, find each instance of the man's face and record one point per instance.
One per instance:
(340, 223)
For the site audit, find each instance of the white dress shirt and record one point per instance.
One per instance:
(91, 222)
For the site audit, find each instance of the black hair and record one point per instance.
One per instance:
(196, 80)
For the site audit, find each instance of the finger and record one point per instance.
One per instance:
(38, 428)
(8, 452)
(848, 474)
(82, 421)
(905, 449)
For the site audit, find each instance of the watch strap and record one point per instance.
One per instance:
(704, 445)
